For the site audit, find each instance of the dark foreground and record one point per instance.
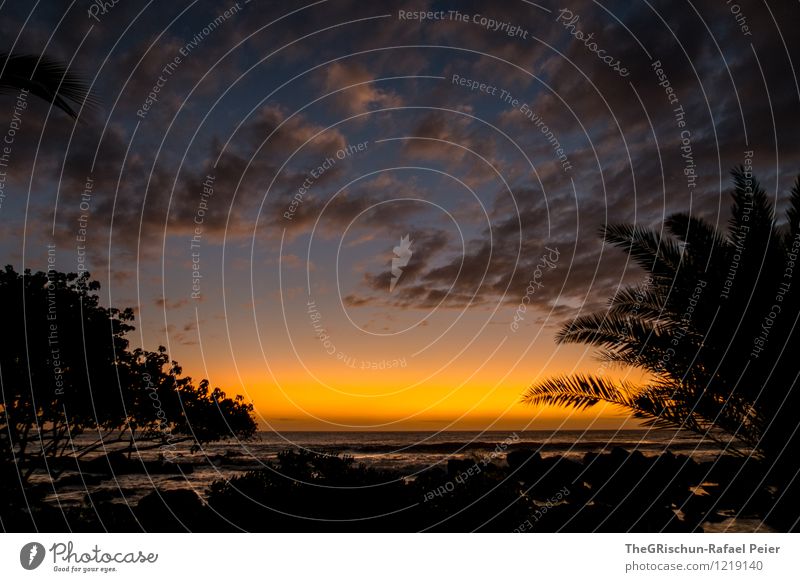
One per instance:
(518, 492)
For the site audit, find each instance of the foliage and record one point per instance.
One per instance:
(45, 77)
(66, 370)
(308, 491)
(714, 325)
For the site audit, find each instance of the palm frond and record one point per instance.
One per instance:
(580, 392)
(656, 254)
(751, 212)
(613, 329)
(693, 326)
(793, 212)
(701, 240)
(45, 77)
(656, 405)
(645, 301)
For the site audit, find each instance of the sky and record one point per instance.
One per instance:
(376, 216)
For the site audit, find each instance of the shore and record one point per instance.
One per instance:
(509, 488)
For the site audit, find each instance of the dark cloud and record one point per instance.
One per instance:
(739, 91)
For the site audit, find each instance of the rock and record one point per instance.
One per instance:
(524, 459)
(172, 511)
(114, 463)
(167, 468)
(79, 480)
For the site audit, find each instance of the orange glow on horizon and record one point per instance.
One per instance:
(295, 385)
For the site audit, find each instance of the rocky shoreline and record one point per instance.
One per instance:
(518, 491)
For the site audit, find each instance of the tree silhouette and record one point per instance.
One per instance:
(45, 77)
(714, 326)
(67, 370)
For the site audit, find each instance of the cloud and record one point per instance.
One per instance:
(621, 135)
(362, 94)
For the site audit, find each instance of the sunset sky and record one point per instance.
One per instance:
(250, 167)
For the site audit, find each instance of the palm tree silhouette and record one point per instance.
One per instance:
(45, 77)
(714, 326)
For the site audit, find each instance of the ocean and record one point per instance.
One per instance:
(418, 450)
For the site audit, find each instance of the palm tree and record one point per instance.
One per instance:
(45, 77)
(715, 328)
